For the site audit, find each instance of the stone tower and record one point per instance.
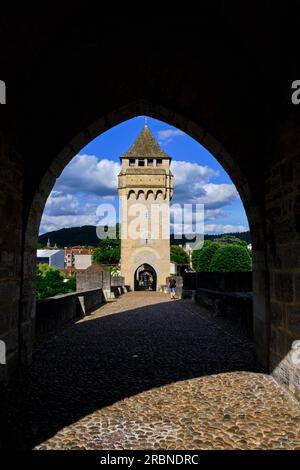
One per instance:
(145, 189)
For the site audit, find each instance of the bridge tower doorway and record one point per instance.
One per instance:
(145, 278)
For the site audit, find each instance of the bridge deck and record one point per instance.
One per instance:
(146, 373)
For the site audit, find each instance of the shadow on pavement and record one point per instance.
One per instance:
(95, 363)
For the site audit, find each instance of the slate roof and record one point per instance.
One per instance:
(145, 146)
(47, 253)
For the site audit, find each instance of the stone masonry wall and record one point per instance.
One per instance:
(54, 313)
(96, 280)
(11, 186)
(283, 219)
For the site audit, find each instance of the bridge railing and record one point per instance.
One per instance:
(226, 295)
(112, 286)
(234, 282)
(54, 313)
(92, 290)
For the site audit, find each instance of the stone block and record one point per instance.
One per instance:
(54, 313)
(9, 315)
(9, 291)
(293, 320)
(283, 286)
(297, 287)
(277, 314)
(290, 255)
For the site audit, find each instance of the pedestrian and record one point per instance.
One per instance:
(172, 287)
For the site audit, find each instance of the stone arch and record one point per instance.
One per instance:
(143, 107)
(140, 194)
(211, 86)
(159, 194)
(144, 255)
(149, 193)
(131, 193)
(145, 268)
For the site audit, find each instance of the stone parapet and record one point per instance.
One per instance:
(57, 312)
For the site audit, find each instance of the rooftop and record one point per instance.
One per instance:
(145, 146)
(96, 267)
(47, 253)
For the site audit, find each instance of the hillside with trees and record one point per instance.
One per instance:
(87, 236)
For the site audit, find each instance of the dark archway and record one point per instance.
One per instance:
(219, 88)
(145, 278)
(244, 186)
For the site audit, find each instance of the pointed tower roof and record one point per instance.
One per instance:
(145, 146)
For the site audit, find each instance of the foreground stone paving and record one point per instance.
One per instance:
(148, 373)
(231, 411)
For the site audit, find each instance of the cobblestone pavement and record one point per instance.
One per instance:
(148, 373)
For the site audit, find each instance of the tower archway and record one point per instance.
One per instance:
(145, 278)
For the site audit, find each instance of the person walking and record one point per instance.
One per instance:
(172, 287)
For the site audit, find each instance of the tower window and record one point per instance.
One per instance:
(131, 162)
(150, 161)
(141, 163)
(159, 162)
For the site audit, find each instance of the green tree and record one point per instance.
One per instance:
(114, 270)
(70, 284)
(230, 239)
(201, 259)
(178, 255)
(195, 259)
(108, 252)
(50, 281)
(231, 258)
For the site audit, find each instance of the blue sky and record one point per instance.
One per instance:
(90, 179)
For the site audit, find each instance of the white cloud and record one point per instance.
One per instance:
(166, 136)
(217, 195)
(84, 184)
(208, 228)
(85, 174)
(56, 217)
(192, 185)
(219, 228)
(88, 175)
(59, 203)
(51, 222)
(87, 182)
(179, 229)
(189, 180)
(212, 214)
(178, 213)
